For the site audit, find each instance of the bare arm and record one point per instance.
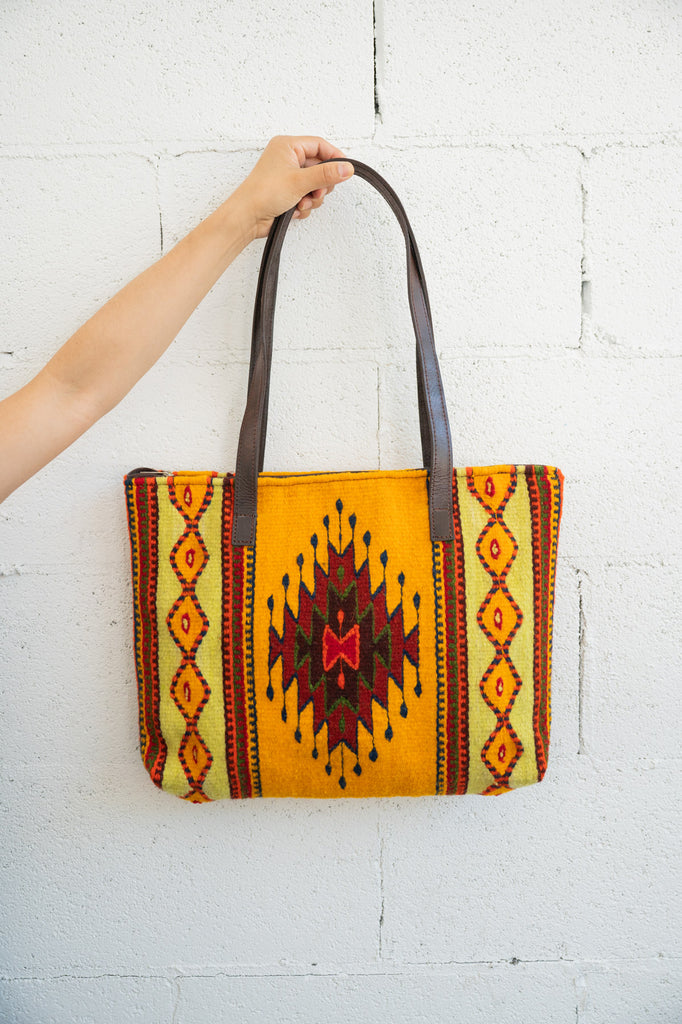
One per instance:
(109, 353)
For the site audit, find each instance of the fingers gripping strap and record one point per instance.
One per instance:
(434, 426)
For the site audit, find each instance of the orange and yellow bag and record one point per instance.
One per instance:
(344, 634)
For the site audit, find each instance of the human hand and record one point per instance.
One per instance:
(289, 173)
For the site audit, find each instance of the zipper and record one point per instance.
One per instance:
(145, 471)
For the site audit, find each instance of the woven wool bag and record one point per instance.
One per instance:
(345, 634)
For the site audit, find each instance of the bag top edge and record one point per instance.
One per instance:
(299, 476)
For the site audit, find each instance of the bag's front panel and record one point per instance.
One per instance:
(344, 654)
(343, 633)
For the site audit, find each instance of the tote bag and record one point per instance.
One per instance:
(344, 634)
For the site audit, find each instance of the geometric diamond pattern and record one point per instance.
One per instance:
(189, 556)
(496, 548)
(500, 618)
(190, 692)
(195, 757)
(499, 685)
(188, 624)
(343, 648)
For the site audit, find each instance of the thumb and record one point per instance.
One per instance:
(325, 174)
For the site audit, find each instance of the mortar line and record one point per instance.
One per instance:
(379, 415)
(381, 888)
(594, 142)
(581, 663)
(377, 33)
(585, 283)
(175, 989)
(388, 969)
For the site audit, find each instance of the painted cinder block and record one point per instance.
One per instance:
(499, 233)
(633, 217)
(631, 661)
(618, 993)
(66, 1000)
(77, 228)
(552, 69)
(119, 75)
(70, 699)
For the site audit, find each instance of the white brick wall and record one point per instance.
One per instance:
(536, 148)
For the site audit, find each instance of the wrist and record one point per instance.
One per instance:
(238, 216)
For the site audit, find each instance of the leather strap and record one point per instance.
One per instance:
(433, 418)
(269, 281)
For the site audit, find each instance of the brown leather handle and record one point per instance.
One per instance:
(434, 426)
(267, 286)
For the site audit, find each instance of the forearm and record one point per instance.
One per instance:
(102, 361)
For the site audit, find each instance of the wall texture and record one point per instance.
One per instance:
(536, 148)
